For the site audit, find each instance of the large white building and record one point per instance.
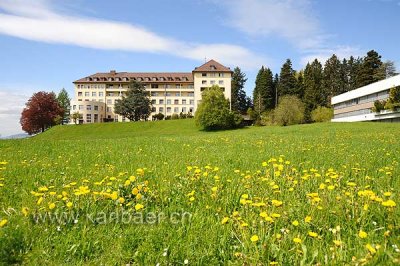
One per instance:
(356, 105)
(170, 93)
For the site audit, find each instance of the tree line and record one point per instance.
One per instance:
(314, 85)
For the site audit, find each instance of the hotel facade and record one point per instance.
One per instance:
(170, 93)
(356, 105)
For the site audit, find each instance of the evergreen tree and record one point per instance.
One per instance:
(65, 103)
(136, 105)
(369, 70)
(386, 70)
(300, 84)
(287, 80)
(239, 100)
(333, 82)
(314, 95)
(275, 88)
(263, 94)
(353, 69)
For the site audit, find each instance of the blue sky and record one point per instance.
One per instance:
(47, 44)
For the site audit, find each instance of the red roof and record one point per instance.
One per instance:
(148, 77)
(212, 66)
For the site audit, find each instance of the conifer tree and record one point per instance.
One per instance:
(287, 80)
(314, 95)
(369, 70)
(239, 100)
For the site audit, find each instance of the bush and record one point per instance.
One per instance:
(393, 101)
(322, 114)
(158, 116)
(290, 111)
(174, 116)
(378, 106)
(268, 118)
(168, 117)
(189, 115)
(182, 115)
(213, 112)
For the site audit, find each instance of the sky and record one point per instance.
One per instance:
(47, 44)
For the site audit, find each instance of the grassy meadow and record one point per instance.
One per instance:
(166, 193)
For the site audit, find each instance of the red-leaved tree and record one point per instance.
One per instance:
(41, 112)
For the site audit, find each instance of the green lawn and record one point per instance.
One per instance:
(165, 192)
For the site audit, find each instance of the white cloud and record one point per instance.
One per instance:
(36, 21)
(290, 19)
(323, 54)
(10, 110)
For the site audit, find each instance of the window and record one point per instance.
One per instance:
(204, 74)
(190, 110)
(191, 102)
(184, 101)
(204, 82)
(183, 109)
(87, 94)
(161, 109)
(169, 101)
(212, 74)
(220, 82)
(177, 94)
(220, 74)
(161, 101)
(96, 107)
(190, 86)
(74, 107)
(116, 118)
(176, 101)
(153, 101)
(79, 94)
(176, 109)
(178, 86)
(80, 107)
(110, 94)
(101, 94)
(191, 94)
(88, 118)
(168, 109)
(167, 94)
(109, 110)
(109, 101)
(94, 94)
(154, 86)
(96, 118)
(88, 107)
(212, 82)
(153, 93)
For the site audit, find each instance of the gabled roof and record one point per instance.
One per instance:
(122, 77)
(212, 66)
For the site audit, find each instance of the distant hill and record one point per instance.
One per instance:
(17, 136)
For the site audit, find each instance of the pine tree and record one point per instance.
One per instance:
(353, 69)
(333, 81)
(238, 95)
(287, 80)
(369, 71)
(314, 95)
(300, 84)
(275, 89)
(65, 103)
(263, 94)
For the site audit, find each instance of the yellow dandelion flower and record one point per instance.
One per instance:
(307, 219)
(389, 203)
(312, 234)
(225, 220)
(337, 243)
(295, 223)
(121, 200)
(25, 211)
(127, 183)
(135, 191)
(263, 214)
(297, 240)
(235, 213)
(192, 199)
(362, 234)
(331, 187)
(214, 189)
(138, 196)
(276, 203)
(370, 248)
(39, 201)
(278, 236)
(52, 205)
(244, 224)
(3, 222)
(69, 205)
(254, 238)
(138, 207)
(387, 194)
(276, 215)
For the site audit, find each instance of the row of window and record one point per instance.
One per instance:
(364, 99)
(120, 93)
(88, 107)
(178, 94)
(169, 101)
(213, 82)
(120, 86)
(353, 113)
(212, 74)
(176, 110)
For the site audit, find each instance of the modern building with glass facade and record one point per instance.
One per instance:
(170, 93)
(356, 105)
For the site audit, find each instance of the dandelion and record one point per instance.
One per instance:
(389, 203)
(307, 219)
(69, 205)
(337, 243)
(3, 222)
(362, 234)
(276, 203)
(225, 220)
(312, 234)
(370, 248)
(297, 240)
(138, 207)
(52, 205)
(254, 238)
(295, 223)
(25, 211)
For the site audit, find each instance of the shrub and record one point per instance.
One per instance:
(158, 116)
(290, 111)
(213, 112)
(393, 101)
(378, 106)
(168, 117)
(174, 116)
(322, 114)
(182, 115)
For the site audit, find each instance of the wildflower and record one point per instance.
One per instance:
(337, 243)
(295, 223)
(39, 201)
(244, 224)
(371, 249)
(312, 234)
(308, 219)
(52, 205)
(263, 214)
(225, 220)
(121, 200)
(254, 238)
(362, 234)
(297, 240)
(186, 262)
(69, 205)
(138, 207)
(191, 199)
(25, 211)
(387, 194)
(3, 222)
(135, 191)
(276, 215)
(389, 203)
(276, 203)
